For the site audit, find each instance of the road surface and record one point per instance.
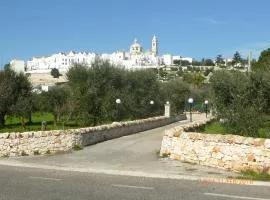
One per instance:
(123, 168)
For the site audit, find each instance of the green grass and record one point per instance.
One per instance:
(252, 175)
(214, 128)
(164, 155)
(264, 131)
(37, 117)
(77, 147)
(13, 123)
(218, 128)
(36, 127)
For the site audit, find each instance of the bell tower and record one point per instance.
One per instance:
(154, 46)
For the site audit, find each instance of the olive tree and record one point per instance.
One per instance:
(15, 94)
(239, 98)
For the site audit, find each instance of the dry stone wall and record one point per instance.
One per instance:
(47, 142)
(225, 151)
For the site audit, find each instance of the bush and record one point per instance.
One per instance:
(55, 73)
(239, 98)
(77, 147)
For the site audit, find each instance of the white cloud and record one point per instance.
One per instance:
(210, 20)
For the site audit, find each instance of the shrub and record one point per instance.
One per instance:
(48, 152)
(240, 99)
(23, 153)
(77, 147)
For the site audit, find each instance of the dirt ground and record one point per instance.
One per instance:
(45, 79)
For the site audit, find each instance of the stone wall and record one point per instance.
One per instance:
(225, 151)
(47, 142)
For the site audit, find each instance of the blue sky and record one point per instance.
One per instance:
(194, 28)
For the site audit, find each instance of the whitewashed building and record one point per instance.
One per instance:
(136, 58)
(60, 61)
(17, 65)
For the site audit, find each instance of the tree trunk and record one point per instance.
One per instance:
(55, 120)
(30, 118)
(2, 119)
(22, 122)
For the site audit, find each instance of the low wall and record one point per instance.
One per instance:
(225, 151)
(46, 142)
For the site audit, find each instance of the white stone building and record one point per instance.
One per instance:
(169, 59)
(17, 65)
(136, 58)
(60, 61)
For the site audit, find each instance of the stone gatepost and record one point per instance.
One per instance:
(167, 107)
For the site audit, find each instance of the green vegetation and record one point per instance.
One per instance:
(263, 63)
(15, 93)
(24, 154)
(195, 78)
(242, 99)
(13, 123)
(48, 152)
(5, 155)
(77, 147)
(253, 175)
(165, 155)
(36, 153)
(220, 61)
(220, 128)
(215, 128)
(37, 117)
(55, 73)
(93, 94)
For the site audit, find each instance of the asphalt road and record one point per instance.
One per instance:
(130, 155)
(39, 184)
(124, 168)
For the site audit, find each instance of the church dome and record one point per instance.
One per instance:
(135, 48)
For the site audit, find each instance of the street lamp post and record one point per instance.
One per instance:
(118, 101)
(151, 109)
(206, 107)
(190, 101)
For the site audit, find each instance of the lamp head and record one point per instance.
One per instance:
(190, 100)
(118, 101)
